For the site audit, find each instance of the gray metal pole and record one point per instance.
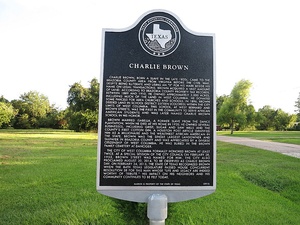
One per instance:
(157, 209)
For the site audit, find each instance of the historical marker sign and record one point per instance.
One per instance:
(157, 111)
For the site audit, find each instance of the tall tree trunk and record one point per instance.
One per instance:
(231, 126)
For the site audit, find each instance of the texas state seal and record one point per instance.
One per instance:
(159, 36)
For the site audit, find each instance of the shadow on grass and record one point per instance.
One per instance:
(132, 212)
(136, 213)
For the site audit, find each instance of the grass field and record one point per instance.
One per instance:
(48, 177)
(291, 137)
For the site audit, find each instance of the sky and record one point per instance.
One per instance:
(46, 46)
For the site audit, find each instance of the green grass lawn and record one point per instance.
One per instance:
(48, 177)
(291, 137)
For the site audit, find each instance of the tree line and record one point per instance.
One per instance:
(234, 112)
(33, 110)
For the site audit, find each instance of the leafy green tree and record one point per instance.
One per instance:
(22, 121)
(265, 118)
(94, 95)
(269, 118)
(281, 120)
(233, 110)
(32, 108)
(60, 119)
(83, 106)
(7, 112)
(83, 120)
(77, 97)
(292, 123)
(220, 100)
(55, 119)
(37, 105)
(250, 120)
(81, 98)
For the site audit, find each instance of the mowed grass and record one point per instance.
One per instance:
(48, 177)
(291, 137)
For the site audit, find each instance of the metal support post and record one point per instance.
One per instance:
(157, 209)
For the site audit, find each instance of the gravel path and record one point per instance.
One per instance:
(286, 149)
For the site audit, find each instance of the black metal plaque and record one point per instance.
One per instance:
(157, 107)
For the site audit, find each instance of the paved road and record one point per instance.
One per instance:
(286, 149)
